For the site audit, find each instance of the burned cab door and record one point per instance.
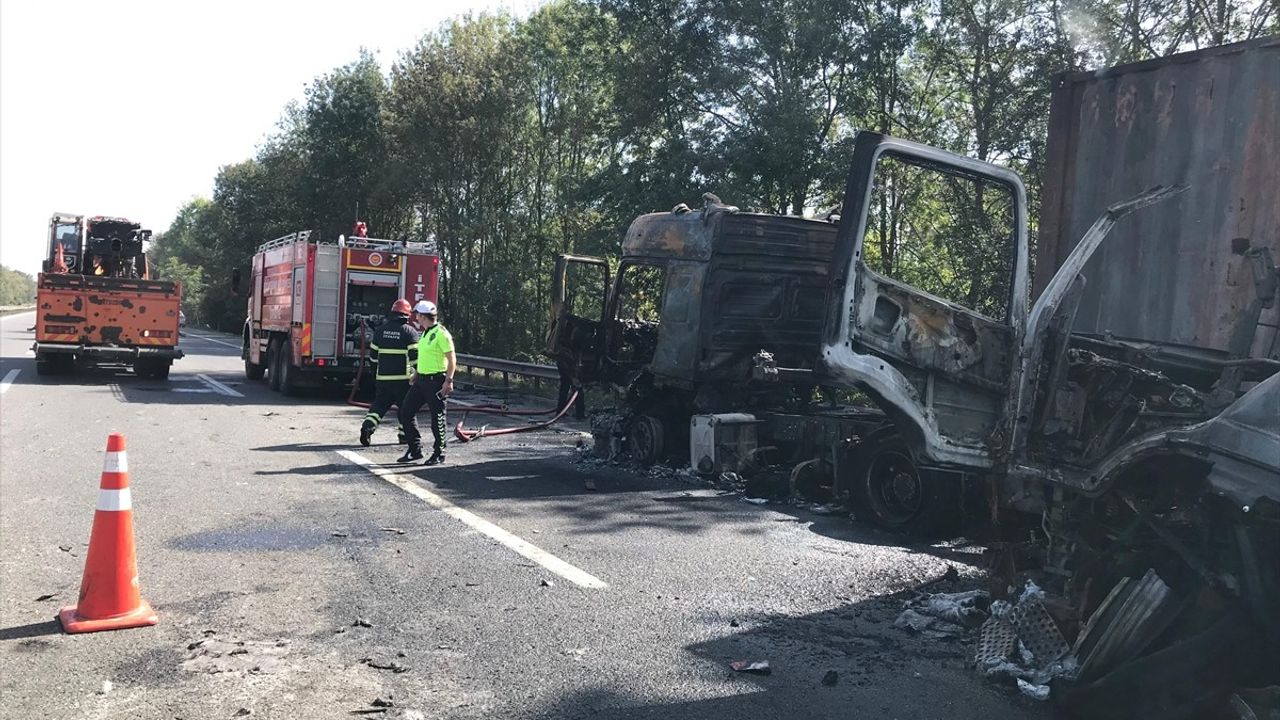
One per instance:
(930, 281)
(579, 295)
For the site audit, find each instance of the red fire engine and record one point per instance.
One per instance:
(307, 300)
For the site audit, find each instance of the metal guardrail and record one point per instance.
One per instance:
(490, 365)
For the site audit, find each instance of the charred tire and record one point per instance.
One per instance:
(646, 440)
(273, 364)
(889, 490)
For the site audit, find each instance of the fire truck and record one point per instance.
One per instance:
(97, 303)
(310, 301)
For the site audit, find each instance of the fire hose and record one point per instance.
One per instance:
(466, 435)
(462, 433)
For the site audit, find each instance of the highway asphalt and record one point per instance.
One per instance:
(298, 575)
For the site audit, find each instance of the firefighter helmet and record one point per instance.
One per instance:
(425, 307)
(401, 306)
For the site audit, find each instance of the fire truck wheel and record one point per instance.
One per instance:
(253, 371)
(288, 376)
(273, 364)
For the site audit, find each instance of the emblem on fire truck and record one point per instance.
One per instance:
(375, 259)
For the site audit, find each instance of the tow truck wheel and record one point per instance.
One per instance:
(891, 491)
(151, 368)
(646, 440)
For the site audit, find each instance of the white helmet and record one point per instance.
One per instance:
(425, 307)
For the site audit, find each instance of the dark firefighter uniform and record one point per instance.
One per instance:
(427, 389)
(393, 352)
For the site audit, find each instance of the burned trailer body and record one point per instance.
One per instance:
(1209, 119)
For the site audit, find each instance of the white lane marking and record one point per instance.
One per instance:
(115, 500)
(9, 377)
(116, 462)
(218, 387)
(475, 522)
(194, 390)
(213, 340)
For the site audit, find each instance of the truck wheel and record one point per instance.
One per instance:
(253, 371)
(288, 376)
(151, 368)
(273, 364)
(646, 440)
(888, 489)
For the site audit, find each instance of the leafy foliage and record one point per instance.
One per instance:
(506, 141)
(16, 288)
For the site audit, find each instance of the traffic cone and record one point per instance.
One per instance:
(109, 594)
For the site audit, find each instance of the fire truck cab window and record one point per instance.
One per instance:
(640, 311)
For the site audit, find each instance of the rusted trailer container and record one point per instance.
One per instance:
(1208, 119)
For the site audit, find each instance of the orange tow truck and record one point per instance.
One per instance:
(96, 303)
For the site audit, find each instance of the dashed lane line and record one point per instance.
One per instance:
(213, 340)
(9, 377)
(219, 387)
(522, 547)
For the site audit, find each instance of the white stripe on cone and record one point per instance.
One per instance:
(116, 462)
(115, 500)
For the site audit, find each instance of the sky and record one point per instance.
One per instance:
(129, 108)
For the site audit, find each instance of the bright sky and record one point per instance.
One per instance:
(129, 108)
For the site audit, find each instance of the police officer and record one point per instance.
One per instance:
(432, 384)
(393, 352)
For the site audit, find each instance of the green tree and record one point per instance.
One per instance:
(16, 288)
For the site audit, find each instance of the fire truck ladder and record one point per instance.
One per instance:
(324, 313)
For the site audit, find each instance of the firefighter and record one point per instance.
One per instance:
(433, 382)
(393, 352)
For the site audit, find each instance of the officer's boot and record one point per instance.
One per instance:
(410, 455)
(366, 432)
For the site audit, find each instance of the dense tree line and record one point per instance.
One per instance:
(506, 141)
(16, 288)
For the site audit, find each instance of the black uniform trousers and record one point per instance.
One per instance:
(424, 391)
(386, 394)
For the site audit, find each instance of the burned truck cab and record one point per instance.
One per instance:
(696, 296)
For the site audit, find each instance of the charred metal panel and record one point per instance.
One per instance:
(677, 347)
(766, 290)
(1209, 119)
(669, 235)
(957, 359)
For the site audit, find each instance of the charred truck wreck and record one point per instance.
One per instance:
(739, 339)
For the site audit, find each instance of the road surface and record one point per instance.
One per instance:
(496, 585)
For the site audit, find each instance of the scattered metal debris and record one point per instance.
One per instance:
(391, 665)
(757, 667)
(361, 622)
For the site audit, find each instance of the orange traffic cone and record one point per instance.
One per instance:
(109, 595)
